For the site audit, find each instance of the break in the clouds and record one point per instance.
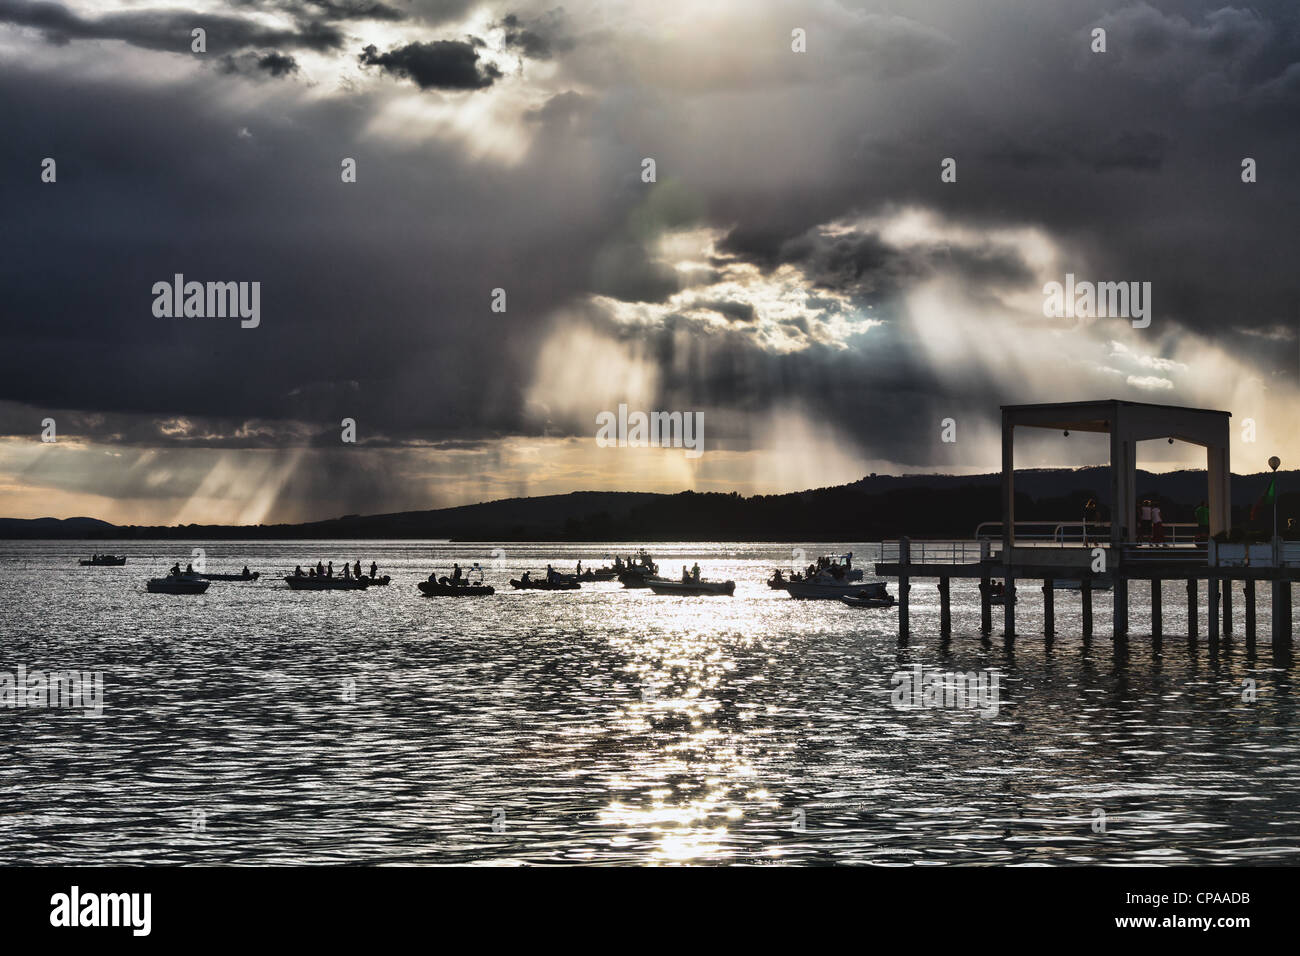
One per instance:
(798, 269)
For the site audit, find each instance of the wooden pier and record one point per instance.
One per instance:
(1051, 565)
(1117, 560)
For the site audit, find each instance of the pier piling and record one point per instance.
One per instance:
(1085, 591)
(904, 559)
(945, 610)
(1227, 608)
(986, 606)
(1157, 610)
(1120, 593)
(1049, 608)
(1191, 609)
(1009, 610)
(1249, 598)
(1212, 593)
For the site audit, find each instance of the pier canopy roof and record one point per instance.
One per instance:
(1127, 423)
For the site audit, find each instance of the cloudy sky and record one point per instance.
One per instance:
(798, 271)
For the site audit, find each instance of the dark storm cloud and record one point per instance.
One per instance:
(335, 10)
(737, 311)
(167, 30)
(273, 64)
(376, 295)
(539, 39)
(439, 65)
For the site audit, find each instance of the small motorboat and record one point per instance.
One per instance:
(637, 572)
(561, 582)
(457, 587)
(253, 576)
(666, 586)
(442, 589)
(306, 582)
(823, 587)
(870, 595)
(997, 591)
(177, 584)
(103, 561)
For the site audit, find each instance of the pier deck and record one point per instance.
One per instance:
(1094, 568)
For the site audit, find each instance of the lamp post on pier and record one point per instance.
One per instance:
(1273, 463)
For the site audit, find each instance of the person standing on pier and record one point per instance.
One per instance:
(1202, 522)
(1157, 526)
(1144, 521)
(1089, 517)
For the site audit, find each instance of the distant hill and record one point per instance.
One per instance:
(872, 508)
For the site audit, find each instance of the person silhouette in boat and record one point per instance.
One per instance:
(297, 571)
(189, 569)
(550, 574)
(374, 569)
(249, 574)
(525, 578)
(686, 575)
(176, 570)
(356, 568)
(455, 574)
(329, 571)
(695, 572)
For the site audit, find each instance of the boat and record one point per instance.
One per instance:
(306, 582)
(562, 582)
(998, 593)
(666, 586)
(456, 587)
(177, 584)
(230, 577)
(442, 589)
(638, 572)
(103, 561)
(838, 566)
(872, 595)
(822, 587)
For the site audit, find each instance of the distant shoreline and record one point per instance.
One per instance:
(874, 508)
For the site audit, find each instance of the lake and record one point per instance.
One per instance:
(258, 725)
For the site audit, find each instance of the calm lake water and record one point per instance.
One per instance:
(256, 725)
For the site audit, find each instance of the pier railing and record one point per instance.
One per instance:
(936, 552)
(1177, 533)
